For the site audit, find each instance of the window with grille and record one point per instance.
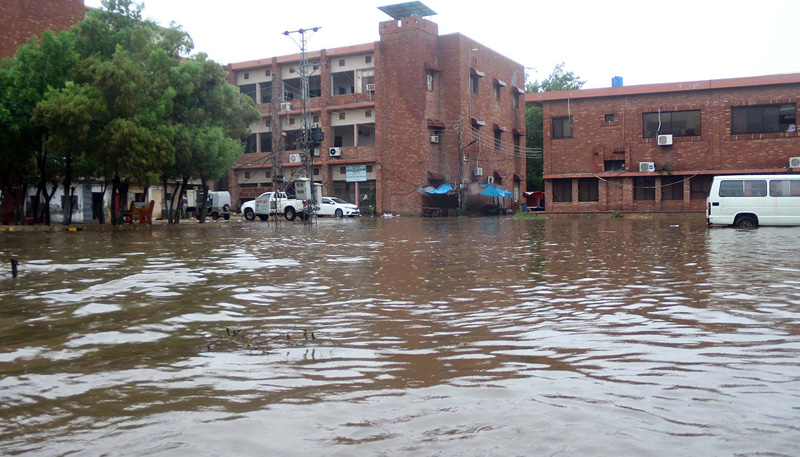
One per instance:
(266, 141)
(473, 84)
(672, 188)
(562, 127)
(675, 123)
(252, 144)
(644, 188)
(588, 190)
(266, 92)
(700, 187)
(497, 139)
(764, 119)
(613, 165)
(562, 190)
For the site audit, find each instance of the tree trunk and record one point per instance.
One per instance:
(67, 189)
(201, 204)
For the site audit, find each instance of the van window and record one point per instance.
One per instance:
(784, 188)
(743, 188)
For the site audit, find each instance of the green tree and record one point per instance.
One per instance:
(39, 66)
(558, 80)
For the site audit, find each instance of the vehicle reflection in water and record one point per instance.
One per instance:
(404, 336)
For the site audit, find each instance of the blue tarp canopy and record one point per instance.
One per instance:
(491, 191)
(442, 189)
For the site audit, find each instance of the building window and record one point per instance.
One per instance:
(265, 89)
(266, 141)
(268, 173)
(366, 134)
(515, 100)
(368, 113)
(516, 144)
(369, 168)
(368, 59)
(609, 118)
(672, 188)
(430, 79)
(473, 84)
(341, 62)
(291, 121)
(249, 90)
(247, 75)
(341, 116)
(644, 188)
(764, 119)
(588, 190)
(613, 165)
(497, 139)
(562, 127)
(267, 73)
(246, 175)
(342, 170)
(315, 119)
(316, 172)
(251, 144)
(562, 190)
(675, 123)
(700, 187)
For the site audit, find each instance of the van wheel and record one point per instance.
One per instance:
(226, 208)
(249, 214)
(747, 222)
(290, 214)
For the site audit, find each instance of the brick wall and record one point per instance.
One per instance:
(713, 151)
(21, 19)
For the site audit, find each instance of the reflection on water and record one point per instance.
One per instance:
(403, 337)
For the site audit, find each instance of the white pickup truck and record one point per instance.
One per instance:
(272, 203)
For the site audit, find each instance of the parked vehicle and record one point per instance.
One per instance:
(272, 203)
(219, 205)
(334, 206)
(747, 201)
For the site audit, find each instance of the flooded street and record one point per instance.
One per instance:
(404, 336)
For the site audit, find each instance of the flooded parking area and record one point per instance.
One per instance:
(403, 336)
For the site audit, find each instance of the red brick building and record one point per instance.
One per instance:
(657, 147)
(22, 19)
(414, 109)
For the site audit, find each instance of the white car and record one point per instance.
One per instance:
(334, 206)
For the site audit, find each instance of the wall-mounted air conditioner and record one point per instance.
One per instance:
(370, 87)
(286, 106)
(794, 162)
(647, 167)
(664, 140)
(434, 138)
(295, 158)
(490, 180)
(335, 152)
(477, 172)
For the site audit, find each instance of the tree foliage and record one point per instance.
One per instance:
(557, 80)
(116, 98)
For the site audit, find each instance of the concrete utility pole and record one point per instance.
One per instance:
(308, 149)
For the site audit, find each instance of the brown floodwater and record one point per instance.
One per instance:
(403, 336)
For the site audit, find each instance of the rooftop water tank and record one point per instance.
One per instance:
(616, 81)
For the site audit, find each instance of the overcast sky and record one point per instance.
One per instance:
(643, 41)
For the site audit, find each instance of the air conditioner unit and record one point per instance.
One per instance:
(490, 180)
(335, 152)
(295, 158)
(370, 87)
(665, 140)
(794, 162)
(434, 138)
(477, 172)
(647, 167)
(286, 106)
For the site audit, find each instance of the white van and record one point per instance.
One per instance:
(747, 201)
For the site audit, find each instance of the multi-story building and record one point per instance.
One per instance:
(22, 19)
(657, 147)
(414, 110)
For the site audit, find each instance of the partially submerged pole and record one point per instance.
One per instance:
(14, 264)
